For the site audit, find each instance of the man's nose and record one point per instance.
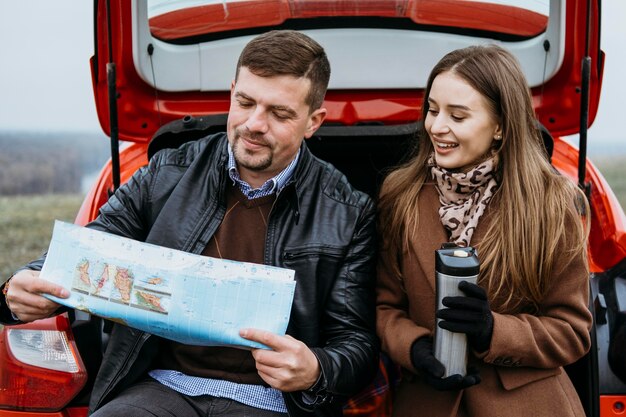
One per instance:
(257, 121)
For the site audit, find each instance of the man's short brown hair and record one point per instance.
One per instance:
(288, 52)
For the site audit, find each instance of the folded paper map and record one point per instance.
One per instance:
(188, 298)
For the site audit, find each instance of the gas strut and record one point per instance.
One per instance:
(112, 90)
(584, 108)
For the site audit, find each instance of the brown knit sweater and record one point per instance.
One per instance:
(240, 237)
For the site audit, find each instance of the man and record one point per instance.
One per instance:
(253, 194)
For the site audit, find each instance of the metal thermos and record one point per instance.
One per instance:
(453, 265)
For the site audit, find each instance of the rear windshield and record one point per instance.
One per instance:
(189, 21)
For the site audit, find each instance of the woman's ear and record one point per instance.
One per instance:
(497, 135)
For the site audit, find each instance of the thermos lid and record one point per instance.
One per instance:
(457, 261)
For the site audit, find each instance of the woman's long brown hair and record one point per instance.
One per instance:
(533, 203)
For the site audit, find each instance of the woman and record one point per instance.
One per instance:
(480, 177)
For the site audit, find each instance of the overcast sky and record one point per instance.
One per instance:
(45, 81)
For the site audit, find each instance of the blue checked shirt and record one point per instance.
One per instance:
(270, 186)
(256, 396)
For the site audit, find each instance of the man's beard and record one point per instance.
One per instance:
(249, 160)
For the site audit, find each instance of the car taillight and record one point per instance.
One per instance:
(40, 368)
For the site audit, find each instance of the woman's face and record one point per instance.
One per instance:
(459, 122)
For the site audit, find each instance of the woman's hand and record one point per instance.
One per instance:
(433, 370)
(470, 315)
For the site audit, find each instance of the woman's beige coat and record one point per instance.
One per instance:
(521, 372)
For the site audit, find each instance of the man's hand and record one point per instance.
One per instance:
(289, 366)
(25, 299)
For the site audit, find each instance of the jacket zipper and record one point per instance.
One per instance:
(321, 250)
(215, 208)
(269, 234)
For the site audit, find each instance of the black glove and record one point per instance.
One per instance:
(470, 315)
(433, 370)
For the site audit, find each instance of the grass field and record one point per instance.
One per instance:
(26, 222)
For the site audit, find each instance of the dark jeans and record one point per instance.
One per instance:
(150, 398)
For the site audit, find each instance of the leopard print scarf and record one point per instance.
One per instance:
(464, 197)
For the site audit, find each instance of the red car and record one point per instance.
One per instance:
(161, 75)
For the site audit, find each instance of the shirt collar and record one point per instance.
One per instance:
(271, 186)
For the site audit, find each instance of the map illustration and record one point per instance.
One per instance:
(184, 297)
(117, 284)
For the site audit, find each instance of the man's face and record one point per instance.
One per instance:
(267, 121)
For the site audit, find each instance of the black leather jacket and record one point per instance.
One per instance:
(319, 226)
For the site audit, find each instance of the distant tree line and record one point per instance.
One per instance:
(49, 163)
